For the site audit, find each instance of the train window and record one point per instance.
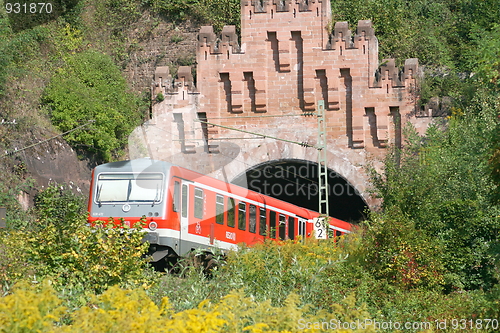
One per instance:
(184, 203)
(291, 227)
(262, 223)
(177, 196)
(242, 216)
(219, 209)
(272, 224)
(230, 212)
(198, 203)
(129, 187)
(252, 218)
(338, 233)
(282, 227)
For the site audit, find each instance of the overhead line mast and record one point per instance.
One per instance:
(322, 167)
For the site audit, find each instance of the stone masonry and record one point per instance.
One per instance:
(290, 56)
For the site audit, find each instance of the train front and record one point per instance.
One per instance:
(129, 190)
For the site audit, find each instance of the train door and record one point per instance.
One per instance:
(302, 227)
(184, 220)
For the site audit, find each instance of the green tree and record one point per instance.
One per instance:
(442, 181)
(437, 32)
(91, 87)
(484, 59)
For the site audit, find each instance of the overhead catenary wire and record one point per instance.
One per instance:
(303, 144)
(7, 153)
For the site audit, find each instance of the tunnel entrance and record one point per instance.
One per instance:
(296, 181)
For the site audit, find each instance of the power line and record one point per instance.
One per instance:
(39, 143)
(303, 144)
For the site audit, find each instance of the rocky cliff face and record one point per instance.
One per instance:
(154, 45)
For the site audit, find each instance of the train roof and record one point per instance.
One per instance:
(137, 165)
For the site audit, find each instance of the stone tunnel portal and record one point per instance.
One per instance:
(296, 181)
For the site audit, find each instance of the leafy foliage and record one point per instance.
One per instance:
(88, 258)
(118, 310)
(56, 205)
(485, 59)
(63, 248)
(90, 87)
(30, 310)
(13, 264)
(40, 14)
(436, 32)
(395, 251)
(494, 164)
(224, 306)
(442, 182)
(16, 50)
(16, 216)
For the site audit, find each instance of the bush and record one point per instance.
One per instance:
(159, 97)
(443, 183)
(92, 258)
(119, 310)
(392, 249)
(14, 264)
(62, 247)
(286, 287)
(91, 87)
(30, 309)
(57, 205)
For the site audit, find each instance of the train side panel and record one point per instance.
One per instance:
(187, 210)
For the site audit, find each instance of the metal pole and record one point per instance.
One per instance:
(322, 166)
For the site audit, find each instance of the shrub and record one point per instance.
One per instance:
(443, 184)
(160, 97)
(395, 251)
(30, 310)
(14, 264)
(57, 205)
(64, 248)
(92, 257)
(91, 87)
(119, 310)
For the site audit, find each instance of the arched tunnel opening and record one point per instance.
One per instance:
(296, 181)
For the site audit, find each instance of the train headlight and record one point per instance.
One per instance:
(153, 225)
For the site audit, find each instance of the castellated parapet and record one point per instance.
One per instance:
(289, 56)
(288, 59)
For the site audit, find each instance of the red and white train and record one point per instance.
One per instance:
(186, 210)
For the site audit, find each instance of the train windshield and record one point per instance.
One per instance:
(129, 187)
